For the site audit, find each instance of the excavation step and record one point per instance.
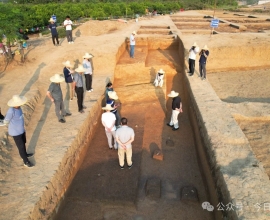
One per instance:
(153, 188)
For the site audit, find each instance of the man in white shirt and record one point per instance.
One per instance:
(88, 65)
(132, 44)
(68, 24)
(108, 120)
(124, 137)
(192, 58)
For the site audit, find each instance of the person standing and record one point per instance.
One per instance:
(159, 78)
(54, 93)
(176, 109)
(132, 44)
(87, 64)
(78, 87)
(124, 137)
(15, 120)
(52, 27)
(202, 61)
(69, 79)
(68, 24)
(111, 101)
(108, 120)
(192, 58)
(109, 88)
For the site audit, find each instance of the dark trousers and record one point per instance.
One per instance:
(79, 92)
(88, 81)
(118, 119)
(20, 141)
(191, 64)
(69, 35)
(202, 70)
(55, 37)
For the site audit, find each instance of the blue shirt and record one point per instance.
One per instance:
(203, 58)
(16, 121)
(68, 76)
(53, 29)
(112, 103)
(78, 79)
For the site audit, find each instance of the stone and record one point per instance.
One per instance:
(189, 193)
(158, 155)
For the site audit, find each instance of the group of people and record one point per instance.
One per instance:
(119, 134)
(204, 53)
(68, 26)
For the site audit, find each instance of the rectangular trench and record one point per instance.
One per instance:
(95, 192)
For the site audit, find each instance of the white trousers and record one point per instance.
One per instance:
(121, 156)
(159, 80)
(174, 119)
(109, 137)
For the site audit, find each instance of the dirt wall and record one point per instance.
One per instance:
(239, 177)
(225, 58)
(54, 192)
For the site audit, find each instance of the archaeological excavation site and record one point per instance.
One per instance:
(215, 166)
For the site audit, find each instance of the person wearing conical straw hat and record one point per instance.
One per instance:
(192, 58)
(56, 96)
(108, 120)
(15, 120)
(112, 97)
(176, 109)
(69, 78)
(132, 43)
(159, 78)
(88, 65)
(78, 87)
(202, 61)
(52, 27)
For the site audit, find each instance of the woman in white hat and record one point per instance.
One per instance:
(56, 96)
(78, 87)
(176, 109)
(159, 78)
(202, 61)
(15, 120)
(69, 78)
(88, 65)
(52, 27)
(132, 44)
(112, 96)
(192, 58)
(108, 120)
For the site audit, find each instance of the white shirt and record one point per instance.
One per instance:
(69, 25)
(87, 65)
(192, 53)
(108, 118)
(132, 39)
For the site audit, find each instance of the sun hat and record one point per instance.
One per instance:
(87, 55)
(80, 69)
(108, 107)
(173, 94)
(17, 101)
(161, 71)
(67, 63)
(205, 47)
(51, 20)
(112, 95)
(57, 78)
(195, 44)
(134, 32)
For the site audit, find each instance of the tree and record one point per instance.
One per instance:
(10, 22)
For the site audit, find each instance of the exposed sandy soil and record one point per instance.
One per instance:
(42, 55)
(248, 95)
